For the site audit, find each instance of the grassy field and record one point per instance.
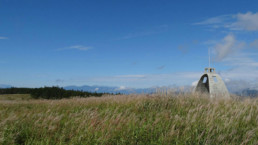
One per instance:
(4, 97)
(129, 119)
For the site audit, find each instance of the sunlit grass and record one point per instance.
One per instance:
(15, 97)
(130, 119)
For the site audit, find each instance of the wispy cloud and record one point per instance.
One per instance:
(226, 47)
(194, 84)
(217, 21)
(80, 47)
(241, 60)
(241, 21)
(1, 37)
(247, 21)
(77, 47)
(121, 88)
(242, 72)
(243, 67)
(239, 85)
(161, 67)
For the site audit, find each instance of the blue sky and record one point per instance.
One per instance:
(128, 43)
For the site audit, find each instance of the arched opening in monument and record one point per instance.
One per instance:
(204, 80)
(203, 85)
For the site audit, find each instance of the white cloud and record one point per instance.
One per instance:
(243, 67)
(121, 88)
(96, 89)
(3, 37)
(238, 85)
(215, 20)
(241, 21)
(76, 47)
(80, 47)
(240, 59)
(247, 21)
(194, 84)
(226, 47)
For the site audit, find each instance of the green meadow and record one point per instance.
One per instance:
(128, 119)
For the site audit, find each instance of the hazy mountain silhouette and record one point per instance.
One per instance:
(5, 86)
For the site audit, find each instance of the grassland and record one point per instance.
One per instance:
(16, 97)
(129, 119)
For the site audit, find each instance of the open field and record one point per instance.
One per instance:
(129, 119)
(16, 97)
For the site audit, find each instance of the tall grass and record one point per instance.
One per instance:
(130, 119)
(16, 97)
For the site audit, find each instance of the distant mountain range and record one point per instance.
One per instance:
(5, 86)
(124, 90)
(251, 92)
(106, 89)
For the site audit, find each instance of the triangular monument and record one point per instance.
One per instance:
(211, 84)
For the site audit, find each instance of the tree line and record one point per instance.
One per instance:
(48, 92)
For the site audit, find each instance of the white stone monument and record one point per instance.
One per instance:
(211, 84)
